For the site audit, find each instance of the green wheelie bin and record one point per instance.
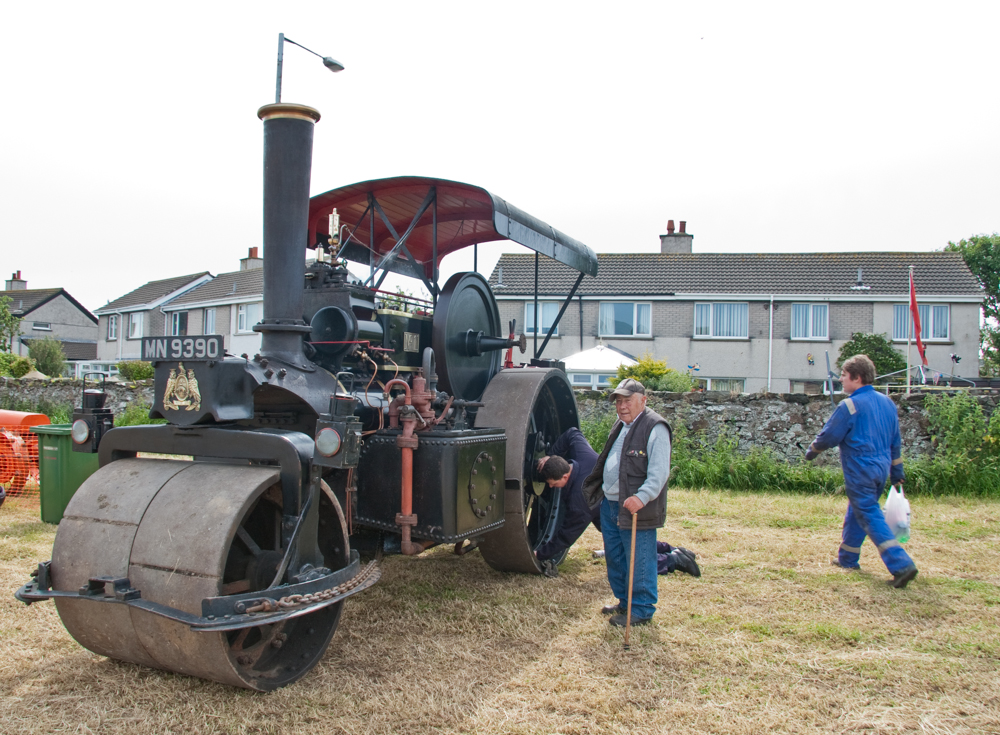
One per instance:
(60, 470)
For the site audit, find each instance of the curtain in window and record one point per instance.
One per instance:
(940, 322)
(901, 321)
(730, 320)
(642, 319)
(702, 320)
(800, 321)
(607, 319)
(820, 321)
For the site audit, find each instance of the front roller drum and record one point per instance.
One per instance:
(534, 406)
(182, 532)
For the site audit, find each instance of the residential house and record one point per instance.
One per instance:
(124, 321)
(230, 305)
(51, 312)
(748, 322)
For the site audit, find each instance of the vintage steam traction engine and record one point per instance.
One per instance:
(234, 566)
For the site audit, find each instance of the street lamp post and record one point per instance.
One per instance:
(331, 64)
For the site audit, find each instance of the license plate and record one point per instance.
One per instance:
(208, 347)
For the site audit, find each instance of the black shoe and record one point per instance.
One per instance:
(619, 620)
(684, 563)
(903, 578)
(549, 567)
(613, 609)
(688, 552)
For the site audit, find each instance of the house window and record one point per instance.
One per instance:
(581, 380)
(625, 319)
(178, 324)
(135, 325)
(113, 327)
(42, 326)
(208, 326)
(248, 315)
(810, 321)
(815, 387)
(604, 380)
(731, 385)
(549, 310)
(934, 320)
(722, 320)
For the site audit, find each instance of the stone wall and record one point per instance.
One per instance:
(69, 392)
(779, 422)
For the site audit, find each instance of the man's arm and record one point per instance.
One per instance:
(896, 473)
(834, 431)
(657, 469)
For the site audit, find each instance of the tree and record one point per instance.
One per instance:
(878, 348)
(982, 254)
(10, 325)
(48, 356)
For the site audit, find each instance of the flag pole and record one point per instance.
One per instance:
(909, 339)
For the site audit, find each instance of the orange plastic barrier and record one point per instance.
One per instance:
(19, 453)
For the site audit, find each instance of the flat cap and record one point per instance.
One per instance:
(627, 387)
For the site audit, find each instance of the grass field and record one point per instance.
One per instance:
(771, 639)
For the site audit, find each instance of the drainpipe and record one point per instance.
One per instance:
(770, 340)
(580, 301)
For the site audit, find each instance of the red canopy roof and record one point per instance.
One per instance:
(465, 215)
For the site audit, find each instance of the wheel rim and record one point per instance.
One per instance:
(534, 406)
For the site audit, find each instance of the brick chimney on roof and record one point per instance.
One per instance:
(16, 283)
(676, 242)
(252, 262)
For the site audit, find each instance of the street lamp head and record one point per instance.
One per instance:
(332, 64)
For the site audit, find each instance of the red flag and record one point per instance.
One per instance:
(915, 311)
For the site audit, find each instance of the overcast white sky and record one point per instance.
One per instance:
(130, 149)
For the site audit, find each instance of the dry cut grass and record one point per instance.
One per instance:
(771, 639)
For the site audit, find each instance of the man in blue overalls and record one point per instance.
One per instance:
(866, 428)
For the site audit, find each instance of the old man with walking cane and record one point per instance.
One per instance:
(630, 480)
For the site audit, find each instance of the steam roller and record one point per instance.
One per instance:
(224, 543)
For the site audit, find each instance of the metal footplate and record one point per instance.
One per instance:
(230, 612)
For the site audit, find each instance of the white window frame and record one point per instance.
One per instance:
(931, 316)
(208, 321)
(812, 334)
(243, 315)
(112, 327)
(173, 324)
(41, 326)
(135, 325)
(710, 383)
(547, 308)
(635, 319)
(587, 382)
(712, 306)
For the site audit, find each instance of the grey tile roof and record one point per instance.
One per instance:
(650, 274)
(150, 292)
(73, 349)
(24, 302)
(225, 287)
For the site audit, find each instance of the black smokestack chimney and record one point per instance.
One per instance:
(288, 141)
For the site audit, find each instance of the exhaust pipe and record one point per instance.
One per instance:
(288, 142)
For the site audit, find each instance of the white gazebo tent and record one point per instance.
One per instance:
(591, 369)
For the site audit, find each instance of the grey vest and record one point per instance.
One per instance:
(631, 473)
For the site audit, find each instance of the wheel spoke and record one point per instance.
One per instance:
(243, 536)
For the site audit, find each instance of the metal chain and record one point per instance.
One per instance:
(267, 606)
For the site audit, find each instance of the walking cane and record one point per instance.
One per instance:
(631, 575)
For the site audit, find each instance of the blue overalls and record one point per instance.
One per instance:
(866, 428)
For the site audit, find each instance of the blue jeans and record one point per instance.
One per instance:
(617, 547)
(864, 518)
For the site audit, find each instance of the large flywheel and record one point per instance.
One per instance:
(534, 406)
(182, 532)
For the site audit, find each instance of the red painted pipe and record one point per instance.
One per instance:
(407, 442)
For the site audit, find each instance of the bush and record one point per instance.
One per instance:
(48, 356)
(136, 370)
(655, 375)
(136, 414)
(878, 348)
(15, 366)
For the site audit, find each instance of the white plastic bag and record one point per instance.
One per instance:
(897, 514)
